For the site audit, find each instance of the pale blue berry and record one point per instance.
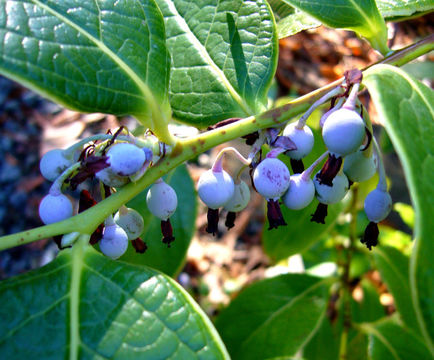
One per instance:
(378, 205)
(161, 200)
(332, 194)
(125, 159)
(240, 198)
(55, 208)
(300, 192)
(114, 242)
(302, 138)
(358, 167)
(131, 221)
(109, 178)
(53, 163)
(215, 188)
(271, 178)
(343, 131)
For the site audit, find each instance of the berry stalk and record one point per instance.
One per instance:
(87, 221)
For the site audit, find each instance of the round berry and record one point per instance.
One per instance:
(358, 167)
(114, 241)
(109, 178)
(125, 159)
(271, 178)
(378, 204)
(302, 138)
(215, 188)
(332, 194)
(300, 192)
(53, 163)
(161, 200)
(343, 131)
(240, 199)
(131, 221)
(55, 208)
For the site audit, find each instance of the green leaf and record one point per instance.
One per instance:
(300, 233)
(97, 56)
(294, 23)
(327, 337)
(274, 317)
(280, 9)
(289, 20)
(389, 341)
(84, 305)
(406, 107)
(224, 56)
(362, 17)
(395, 8)
(369, 308)
(393, 267)
(420, 70)
(158, 255)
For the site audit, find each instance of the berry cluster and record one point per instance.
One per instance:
(350, 158)
(114, 161)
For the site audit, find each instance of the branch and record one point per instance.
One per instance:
(87, 221)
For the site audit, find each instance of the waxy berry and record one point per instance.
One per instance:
(343, 131)
(271, 178)
(53, 163)
(300, 193)
(240, 198)
(114, 242)
(161, 200)
(54, 208)
(331, 194)
(237, 202)
(109, 178)
(131, 221)
(215, 188)
(302, 138)
(125, 159)
(378, 205)
(359, 167)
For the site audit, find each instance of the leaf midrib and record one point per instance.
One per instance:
(142, 86)
(374, 332)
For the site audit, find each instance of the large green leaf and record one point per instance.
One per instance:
(300, 233)
(296, 22)
(274, 317)
(158, 255)
(406, 107)
(395, 8)
(289, 20)
(84, 305)
(369, 308)
(327, 337)
(362, 17)
(389, 341)
(102, 56)
(224, 55)
(393, 267)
